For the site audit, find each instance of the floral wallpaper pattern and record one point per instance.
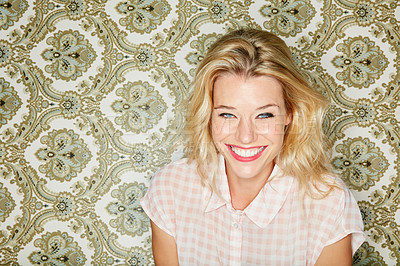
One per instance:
(92, 103)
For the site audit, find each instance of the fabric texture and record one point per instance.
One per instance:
(277, 228)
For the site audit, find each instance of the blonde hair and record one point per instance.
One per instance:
(252, 53)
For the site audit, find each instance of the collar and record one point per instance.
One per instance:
(212, 200)
(263, 208)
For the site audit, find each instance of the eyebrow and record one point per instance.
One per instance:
(224, 107)
(267, 106)
(233, 108)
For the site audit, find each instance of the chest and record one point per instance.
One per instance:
(226, 237)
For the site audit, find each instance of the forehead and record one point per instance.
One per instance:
(231, 89)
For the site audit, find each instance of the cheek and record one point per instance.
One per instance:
(215, 128)
(278, 135)
(217, 136)
(263, 126)
(221, 127)
(273, 127)
(279, 126)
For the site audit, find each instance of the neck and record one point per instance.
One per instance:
(244, 191)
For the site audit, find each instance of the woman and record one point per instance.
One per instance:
(257, 187)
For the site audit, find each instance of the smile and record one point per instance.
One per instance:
(246, 154)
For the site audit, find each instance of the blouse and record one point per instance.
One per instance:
(276, 228)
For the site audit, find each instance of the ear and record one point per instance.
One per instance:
(289, 118)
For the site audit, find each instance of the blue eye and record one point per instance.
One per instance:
(265, 115)
(226, 115)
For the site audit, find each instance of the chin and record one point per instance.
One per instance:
(247, 170)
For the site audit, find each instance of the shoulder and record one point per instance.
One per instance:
(339, 189)
(177, 169)
(330, 186)
(176, 175)
(170, 182)
(337, 202)
(326, 198)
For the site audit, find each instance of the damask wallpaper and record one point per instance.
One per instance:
(92, 103)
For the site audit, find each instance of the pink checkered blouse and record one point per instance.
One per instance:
(275, 229)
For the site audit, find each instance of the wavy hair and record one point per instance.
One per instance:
(251, 53)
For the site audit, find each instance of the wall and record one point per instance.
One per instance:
(92, 97)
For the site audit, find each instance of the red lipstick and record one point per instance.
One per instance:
(245, 159)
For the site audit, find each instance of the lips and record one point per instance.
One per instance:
(246, 154)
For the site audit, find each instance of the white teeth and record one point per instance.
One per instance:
(246, 152)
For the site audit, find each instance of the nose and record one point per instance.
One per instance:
(245, 131)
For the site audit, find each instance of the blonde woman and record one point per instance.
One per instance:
(257, 187)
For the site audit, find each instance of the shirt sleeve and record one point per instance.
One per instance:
(333, 218)
(159, 203)
(348, 222)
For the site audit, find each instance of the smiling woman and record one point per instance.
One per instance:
(256, 188)
(248, 126)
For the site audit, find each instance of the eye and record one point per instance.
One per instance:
(265, 115)
(226, 115)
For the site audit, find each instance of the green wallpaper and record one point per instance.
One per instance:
(92, 102)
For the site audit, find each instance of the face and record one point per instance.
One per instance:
(248, 124)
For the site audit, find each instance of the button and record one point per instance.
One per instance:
(236, 225)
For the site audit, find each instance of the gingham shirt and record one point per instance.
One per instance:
(273, 230)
